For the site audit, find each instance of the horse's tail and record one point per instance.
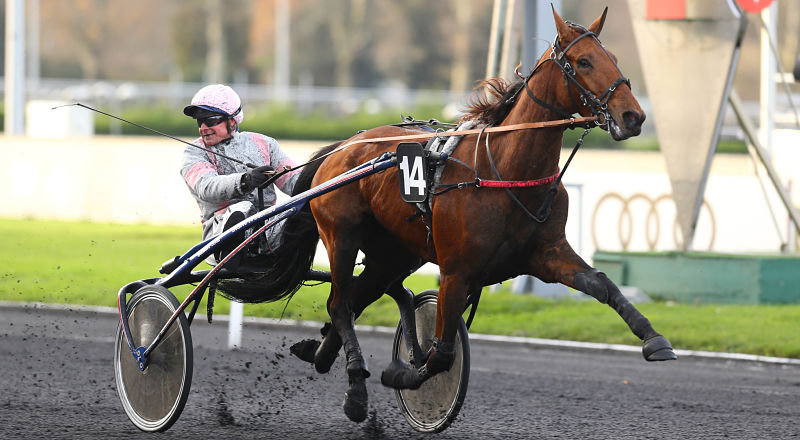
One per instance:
(287, 266)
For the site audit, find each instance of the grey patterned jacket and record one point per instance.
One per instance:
(214, 180)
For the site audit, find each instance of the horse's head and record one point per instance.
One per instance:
(594, 83)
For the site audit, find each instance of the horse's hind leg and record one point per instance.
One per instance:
(349, 297)
(367, 288)
(342, 317)
(321, 354)
(559, 263)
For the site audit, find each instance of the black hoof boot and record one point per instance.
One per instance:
(401, 376)
(328, 350)
(355, 406)
(658, 348)
(324, 357)
(355, 399)
(305, 349)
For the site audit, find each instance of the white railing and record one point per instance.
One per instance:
(394, 95)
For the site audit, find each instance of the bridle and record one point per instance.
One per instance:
(597, 105)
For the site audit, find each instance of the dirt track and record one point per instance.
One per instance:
(57, 382)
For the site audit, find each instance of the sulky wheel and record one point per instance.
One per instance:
(436, 403)
(154, 398)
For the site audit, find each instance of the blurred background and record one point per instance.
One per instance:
(313, 71)
(303, 57)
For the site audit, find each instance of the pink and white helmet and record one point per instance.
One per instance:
(216, 98)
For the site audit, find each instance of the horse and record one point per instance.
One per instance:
(476, 236)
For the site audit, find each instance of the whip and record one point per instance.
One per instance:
(78, 104)
(247, 164)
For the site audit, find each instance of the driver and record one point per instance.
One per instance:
(226, 191)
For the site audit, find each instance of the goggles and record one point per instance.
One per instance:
(212, 120)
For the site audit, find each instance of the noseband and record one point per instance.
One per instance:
(597, 105)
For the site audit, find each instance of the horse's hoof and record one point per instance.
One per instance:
(658, 348)
(401, 376)
(305, 349)
(355, 408)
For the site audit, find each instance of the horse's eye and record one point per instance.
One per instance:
(583, 63)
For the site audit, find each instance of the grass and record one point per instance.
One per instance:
(87, 263)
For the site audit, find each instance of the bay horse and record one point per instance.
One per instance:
(477, 236)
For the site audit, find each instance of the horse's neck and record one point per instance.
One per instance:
(531, 153)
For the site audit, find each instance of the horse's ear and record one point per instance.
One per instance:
(561, 26)
(597, 26)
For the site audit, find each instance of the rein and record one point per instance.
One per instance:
(570, 122)
(544, 209)
(597, 105)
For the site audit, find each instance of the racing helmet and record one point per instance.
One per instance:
(216, 98)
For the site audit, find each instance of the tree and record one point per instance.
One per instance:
(212, 50)
(346, 24)
(188, 43)
(103, 39)
(459, 68)
(215, 42)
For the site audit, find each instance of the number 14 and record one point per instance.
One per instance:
(413, 177)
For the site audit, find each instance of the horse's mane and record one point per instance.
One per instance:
(492, 106)
(493, 98)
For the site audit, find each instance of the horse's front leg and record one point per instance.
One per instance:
(557, 262)
(449, 308)
(401, 375)
(408, 322)
(450, 305)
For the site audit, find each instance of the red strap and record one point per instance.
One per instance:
(516, 183)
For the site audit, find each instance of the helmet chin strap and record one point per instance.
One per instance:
(232, 128)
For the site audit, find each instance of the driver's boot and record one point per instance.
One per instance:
(229, 245)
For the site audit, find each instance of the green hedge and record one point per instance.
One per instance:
(282, 122)
(598, 138)
(276, 121)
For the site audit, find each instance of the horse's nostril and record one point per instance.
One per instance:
(632, 119)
